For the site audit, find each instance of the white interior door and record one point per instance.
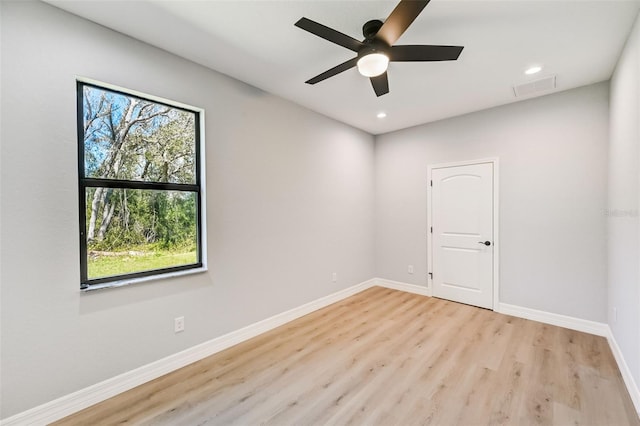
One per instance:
(462, 233)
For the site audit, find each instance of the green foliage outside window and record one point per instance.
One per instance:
(140, 184)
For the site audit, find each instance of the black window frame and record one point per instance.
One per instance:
(85, 182)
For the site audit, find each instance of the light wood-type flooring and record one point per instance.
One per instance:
(385, 357)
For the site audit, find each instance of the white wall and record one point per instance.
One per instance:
(553, 173)
(290, 200)
(624, 202)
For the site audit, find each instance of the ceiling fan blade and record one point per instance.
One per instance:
(402, 16)
(380, 84)
(410, 53)
(334, 71)
(329, 34)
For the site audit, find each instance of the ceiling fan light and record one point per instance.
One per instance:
(373, 64)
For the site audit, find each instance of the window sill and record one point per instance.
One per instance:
(131, 281)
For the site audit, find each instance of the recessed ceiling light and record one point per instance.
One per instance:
(533, 70)
(381, 115)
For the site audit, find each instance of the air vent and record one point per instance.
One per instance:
(535, 87)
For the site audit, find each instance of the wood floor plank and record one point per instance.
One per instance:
(354, 368)
(384, 357)
(225, 402)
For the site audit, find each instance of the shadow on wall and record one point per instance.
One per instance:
(114, 297)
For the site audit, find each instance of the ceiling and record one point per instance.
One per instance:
(256, 42)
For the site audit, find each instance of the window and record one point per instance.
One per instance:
(139, 186)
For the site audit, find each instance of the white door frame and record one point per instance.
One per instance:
(496, 233)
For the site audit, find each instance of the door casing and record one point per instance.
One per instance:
(496, 221)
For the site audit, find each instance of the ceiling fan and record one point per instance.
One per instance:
(376, 50)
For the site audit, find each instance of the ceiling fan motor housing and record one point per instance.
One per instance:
(374, 46)
(370, 29)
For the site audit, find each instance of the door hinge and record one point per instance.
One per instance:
(431, 275)
(431, 229)
(431, 183)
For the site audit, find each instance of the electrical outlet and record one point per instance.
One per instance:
(334, 277)
(410, 269)
(178, 324)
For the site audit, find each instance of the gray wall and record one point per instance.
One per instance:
(624, 186)
(290, 200)
(553, 174)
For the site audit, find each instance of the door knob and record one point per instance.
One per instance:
(486, 243)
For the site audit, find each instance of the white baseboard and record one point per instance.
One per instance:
(631, 384)
(591, 327)
(69, 404)
(586, 326)
(72, 403)
(397, 285)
